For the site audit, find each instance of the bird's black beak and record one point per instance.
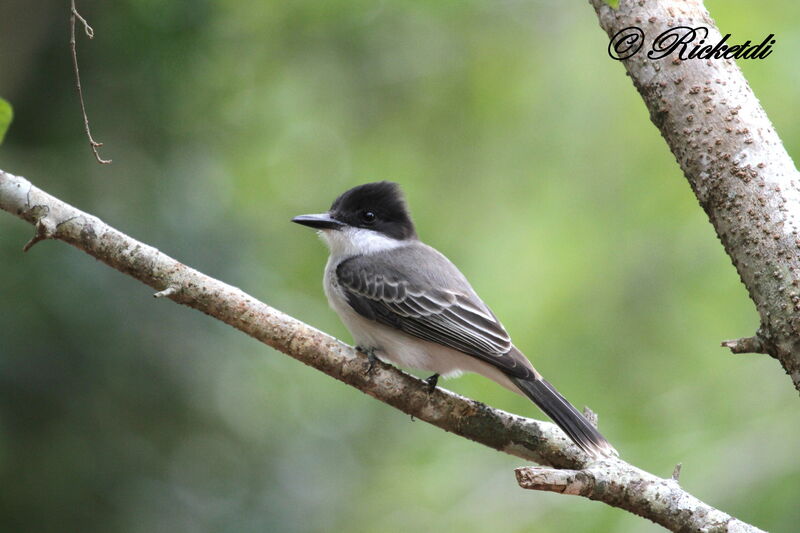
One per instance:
(320, 221)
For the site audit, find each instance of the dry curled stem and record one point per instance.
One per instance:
(74, 49)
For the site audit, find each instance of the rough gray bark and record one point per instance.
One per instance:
(734, 161)
(634, 490)
(617, 483)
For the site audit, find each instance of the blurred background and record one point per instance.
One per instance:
(523, 149)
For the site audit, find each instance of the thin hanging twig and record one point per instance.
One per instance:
(72, 43)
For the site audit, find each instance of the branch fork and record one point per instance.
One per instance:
(575, 482)
(44, 228)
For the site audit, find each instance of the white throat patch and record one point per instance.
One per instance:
(357, 241)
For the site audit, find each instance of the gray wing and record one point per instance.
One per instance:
(436, 304)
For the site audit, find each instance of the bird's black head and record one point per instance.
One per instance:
(378, 206)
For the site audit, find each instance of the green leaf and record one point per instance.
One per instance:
(613, 3)
(6, 116)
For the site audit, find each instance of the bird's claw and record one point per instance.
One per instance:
(432, 381)
(371, 357)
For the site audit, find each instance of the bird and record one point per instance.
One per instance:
(404, 302)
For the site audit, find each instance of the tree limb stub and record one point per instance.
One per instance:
(635, 490)
(734, 160)
(752, 344)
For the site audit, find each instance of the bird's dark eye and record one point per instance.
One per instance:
(367, 217)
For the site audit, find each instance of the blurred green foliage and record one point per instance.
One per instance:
(524, 150)
(6, 116)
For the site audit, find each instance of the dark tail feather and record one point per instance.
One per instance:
(573, 423)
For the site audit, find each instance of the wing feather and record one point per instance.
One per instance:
(448, 316)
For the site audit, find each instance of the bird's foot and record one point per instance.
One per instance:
(432, 381)
(371, 357)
